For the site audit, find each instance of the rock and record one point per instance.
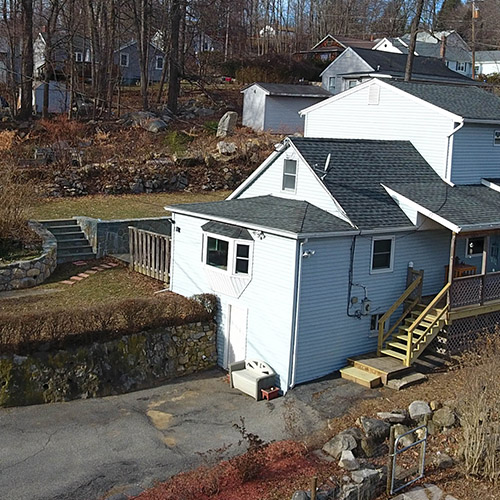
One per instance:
(300, 495)
(369, 447)
(393, 417)
(419, 411)
(154, 125)
(348, 461)
(443, 461)
(137, 187)
(338, 444)
(375, 429)
(226, 148)
(365, 475)
(227, 124)
(350, 492)
(435, 405)
(399, 430)
(444, 417)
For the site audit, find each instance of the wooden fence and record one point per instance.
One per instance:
(149, 253)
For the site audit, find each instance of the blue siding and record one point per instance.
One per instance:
(326, 334)
(474, 154)
(347, 63)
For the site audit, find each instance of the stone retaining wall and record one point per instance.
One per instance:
(29, 273)
(117, 366)
(111, 236)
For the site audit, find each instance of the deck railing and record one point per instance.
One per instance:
(149, 253)
(475, 290)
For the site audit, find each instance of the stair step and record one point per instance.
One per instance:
(393, 354)
(398, 345)
(428, 363)
(361, 377)
(71, 257)
(69, 236)
(72, 243)
(64, 229)
(58, 222)
(74, 250)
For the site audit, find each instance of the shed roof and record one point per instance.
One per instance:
(285, 90)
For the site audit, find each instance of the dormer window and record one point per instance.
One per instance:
(289, 175)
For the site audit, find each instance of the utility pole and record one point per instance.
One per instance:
(475, 15)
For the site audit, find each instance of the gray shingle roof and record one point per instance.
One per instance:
(270, 212)
(487, 56)
(395, 64)
(355, 173)
(461, 205)
(282, 89)
(466, 101)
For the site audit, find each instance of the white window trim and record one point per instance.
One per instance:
(288, 190)
(127, 57)
(480, 254)
(495, 137)
(391, 267)
(374, 333)
(78, 56)
(231, 255)
(157, 58)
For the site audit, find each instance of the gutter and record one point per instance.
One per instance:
(447, 172)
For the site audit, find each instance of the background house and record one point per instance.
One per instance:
(487, 62)
(127, 60)
(59, 97)
(330, 47)
(355, 66)
(275, 107)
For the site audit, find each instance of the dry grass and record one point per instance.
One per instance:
(7, 138)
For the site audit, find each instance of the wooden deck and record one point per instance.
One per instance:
(384, 367)
(474, 310)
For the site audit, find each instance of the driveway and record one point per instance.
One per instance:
(87, 449)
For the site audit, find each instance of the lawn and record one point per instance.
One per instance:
(108, 207)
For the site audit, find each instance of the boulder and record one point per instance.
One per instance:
(442, 460)
(226, 148)
(375, 429)
(399, 430)
(435, 405)
(154, 125)
(369, 447)
(395, 417)
(227, 124)
(339, 443)
(444, 417)
(300, 495)
(419, 411)
(348, 461)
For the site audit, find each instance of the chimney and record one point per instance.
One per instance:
(442, 51)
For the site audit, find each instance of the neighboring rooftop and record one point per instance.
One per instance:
(466, 101)
(282, 214)
(487, 56)
(282, 89)
(357, 168)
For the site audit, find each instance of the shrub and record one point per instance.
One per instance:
(479, 409)
(60, 328)
(177, 142)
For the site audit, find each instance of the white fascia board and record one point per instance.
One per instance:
(257, 172)
(424, 211)
(378, 44)
(491, 185)
(484, 122)
(433, 107)
(383, 230)
(343, 214)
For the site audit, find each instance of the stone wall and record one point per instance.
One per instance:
(29, 273)
(112, 237)
(117, 366)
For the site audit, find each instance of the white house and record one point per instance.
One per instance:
(275, 107)
(312, 250)
(487, 62)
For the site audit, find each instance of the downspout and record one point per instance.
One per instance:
(447, 172)
(296, 300)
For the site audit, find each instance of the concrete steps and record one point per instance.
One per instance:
(72, 244)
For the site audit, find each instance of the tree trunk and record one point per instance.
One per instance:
(25, 111)
(413, 40)
(174, 74)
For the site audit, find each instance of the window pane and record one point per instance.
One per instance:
(476, 246)
(290, 167)
(217, 251)
(382, 261)
(288, 182)
(242, 251)
(380, 246)
(242, 266)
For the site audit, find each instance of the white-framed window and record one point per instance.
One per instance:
(289, 175)
(124, 59)
(374, 323)
(228, 255)
(159, 62)
(79, 56)
(382, 258)
(475, 247)
(352, 83)
(460, 66)
(496, 137)
(331, 84)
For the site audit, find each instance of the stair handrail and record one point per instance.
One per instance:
(382, 336)
(410, 347)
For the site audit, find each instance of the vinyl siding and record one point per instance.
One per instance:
(132, 73)
(308, 186)
(282, 113)
(254, 106)
(327, 336)
(395, 117)
(269, 296)
(474, 154)
(348, 62)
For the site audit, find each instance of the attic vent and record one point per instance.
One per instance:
(374, 95)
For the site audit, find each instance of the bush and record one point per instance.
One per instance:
(479, 409)
(60, 328)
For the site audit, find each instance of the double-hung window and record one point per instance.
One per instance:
(124, 60)
(382, 254)
(289, 175)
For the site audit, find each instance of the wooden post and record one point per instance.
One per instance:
(390, 463)
(314, 485)
(131, 246)
(453, 246)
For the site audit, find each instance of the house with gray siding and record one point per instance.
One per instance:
(275, 107)
(355, 66)
(337, 247)
(126, 58)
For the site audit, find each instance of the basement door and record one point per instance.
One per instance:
(236, 347)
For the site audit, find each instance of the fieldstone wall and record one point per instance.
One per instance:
(117, 366)
(112, 236)
(29, 273)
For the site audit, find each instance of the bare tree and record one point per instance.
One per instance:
(25, 111)
(413, 39)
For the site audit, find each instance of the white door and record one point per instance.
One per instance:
(237, 334)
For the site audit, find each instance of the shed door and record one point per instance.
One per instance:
(237, 334)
